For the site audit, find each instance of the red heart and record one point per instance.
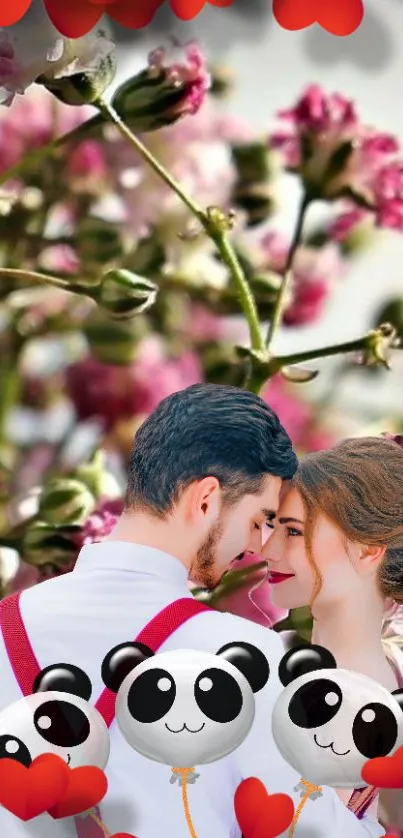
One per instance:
(339, 17)
(11, 13)
(86, 787)
(29, 792)
(259, 814)
(122, 835)
(385, 772)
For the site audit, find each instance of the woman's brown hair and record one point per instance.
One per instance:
(358, 485)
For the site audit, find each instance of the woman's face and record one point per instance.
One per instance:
(292, 576)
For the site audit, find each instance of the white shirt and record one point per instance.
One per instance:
(113, 592)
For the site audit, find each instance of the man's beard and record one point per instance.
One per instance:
(203, 570)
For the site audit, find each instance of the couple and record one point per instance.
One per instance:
(209, 470)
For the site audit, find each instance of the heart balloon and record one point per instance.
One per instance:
(385, 772)
(29, 792)
(259, 814)
(340, 18)
(86, 787)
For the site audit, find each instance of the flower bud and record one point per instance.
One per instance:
(65, 501)
(99, 482)
(84, 80)
(392, 313)
(164, 92)
(124, 294)
(113, 342)
(46, 545)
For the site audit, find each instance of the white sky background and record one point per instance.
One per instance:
(273, 67)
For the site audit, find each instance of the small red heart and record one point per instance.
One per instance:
(339, 18)
(29, 792)
(86, 787)
(122, 835)
(385, 772)
(259, 814)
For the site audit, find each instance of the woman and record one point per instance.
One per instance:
(337, 546)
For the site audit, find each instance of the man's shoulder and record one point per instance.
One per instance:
(212, 629)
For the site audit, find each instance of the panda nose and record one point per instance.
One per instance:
(62, 723)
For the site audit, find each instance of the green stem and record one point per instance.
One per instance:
(287, 272)
(214, 229)
(39, 154)
(281, 361)
(34, 276)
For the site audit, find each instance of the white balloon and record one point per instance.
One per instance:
(328, 723)
(57, 723)
(185, 708)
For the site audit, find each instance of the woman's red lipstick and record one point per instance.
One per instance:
(274, 578)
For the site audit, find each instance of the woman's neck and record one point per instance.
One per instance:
(352, 631)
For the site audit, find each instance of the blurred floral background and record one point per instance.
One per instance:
(116, 290)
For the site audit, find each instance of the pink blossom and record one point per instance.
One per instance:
(59, 258)
(114, 392)
(29, 124)
(189, 72)
(345, 223)
(315, 272)
(101, 523)
(239, 601)
(88, 160)
(337, 156)
(297, 416)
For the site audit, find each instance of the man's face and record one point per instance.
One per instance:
(238, 530)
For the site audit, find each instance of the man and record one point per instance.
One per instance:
(204, 477)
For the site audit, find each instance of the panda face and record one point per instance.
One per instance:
(328, 724)
(185, 708)
(56, 719)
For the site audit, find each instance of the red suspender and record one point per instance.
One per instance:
(26, 667)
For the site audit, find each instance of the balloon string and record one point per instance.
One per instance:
(310, 788)
(101, 825)
(185, 802)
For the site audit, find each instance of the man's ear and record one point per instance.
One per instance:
(203, 499)
(304, 659)
(120, 661)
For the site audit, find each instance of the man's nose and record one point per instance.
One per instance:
(256, 542)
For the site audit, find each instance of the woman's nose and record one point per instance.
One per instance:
(272, 547)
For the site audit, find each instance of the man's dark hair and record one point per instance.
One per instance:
(206, 430)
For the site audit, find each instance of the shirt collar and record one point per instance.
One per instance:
(126, 555)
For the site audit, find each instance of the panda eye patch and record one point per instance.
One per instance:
(12, 748)
(62, 723)
(218, 695)
(151, 696)
(315, 703)
(375, 730)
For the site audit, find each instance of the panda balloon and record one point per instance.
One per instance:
(185, 708)
(57, 719)
(328, 722)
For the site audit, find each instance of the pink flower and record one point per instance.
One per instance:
(297, 416)
(346, 223)
(114, 392)
(101, 523)
(188, 72)
(337, 156)
(315, 272)
(29, 124)
(239, 601)
(88, 160)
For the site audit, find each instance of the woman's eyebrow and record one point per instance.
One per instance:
(290, 521)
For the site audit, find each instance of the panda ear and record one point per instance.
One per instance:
(249, 660)
(398, 695)
(120, 661)
(304, 659)
(64, 678)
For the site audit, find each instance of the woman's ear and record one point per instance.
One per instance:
(371, 555)
(303, 659)
(120, 661)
